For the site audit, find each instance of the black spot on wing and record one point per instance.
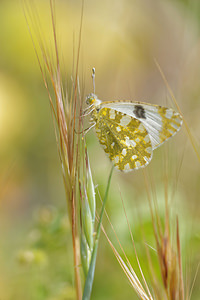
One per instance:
(139, 112)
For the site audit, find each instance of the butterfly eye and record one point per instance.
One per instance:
(90, 99)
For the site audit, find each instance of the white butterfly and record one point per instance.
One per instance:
(130, 131)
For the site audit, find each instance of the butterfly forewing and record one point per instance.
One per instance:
(161, 123)
(124, 138)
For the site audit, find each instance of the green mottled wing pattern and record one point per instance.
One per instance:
(124, 139)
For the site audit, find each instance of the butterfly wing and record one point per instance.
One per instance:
(124, 138)
(161, 123)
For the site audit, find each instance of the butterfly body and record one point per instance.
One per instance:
(130, 131)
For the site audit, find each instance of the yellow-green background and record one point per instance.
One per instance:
(121, 39)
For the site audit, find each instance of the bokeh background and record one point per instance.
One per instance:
(122, 39)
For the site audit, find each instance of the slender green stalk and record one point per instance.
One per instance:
(90, 276)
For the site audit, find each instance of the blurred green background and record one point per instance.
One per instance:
(121, 39)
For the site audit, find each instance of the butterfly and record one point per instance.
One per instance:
(129, 131)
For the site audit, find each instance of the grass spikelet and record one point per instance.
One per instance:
(90, 275)
(87, 208)
(66, 108)
(90, 190)
(168, 253)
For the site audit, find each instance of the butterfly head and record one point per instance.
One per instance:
(92, 100)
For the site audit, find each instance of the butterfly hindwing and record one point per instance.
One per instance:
(124, 138)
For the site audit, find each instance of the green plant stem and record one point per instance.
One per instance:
(90, 276)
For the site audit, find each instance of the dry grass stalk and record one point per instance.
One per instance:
(169, 256)
(66, 111)
(142, 292)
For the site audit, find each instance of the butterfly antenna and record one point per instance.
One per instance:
(93, 79)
